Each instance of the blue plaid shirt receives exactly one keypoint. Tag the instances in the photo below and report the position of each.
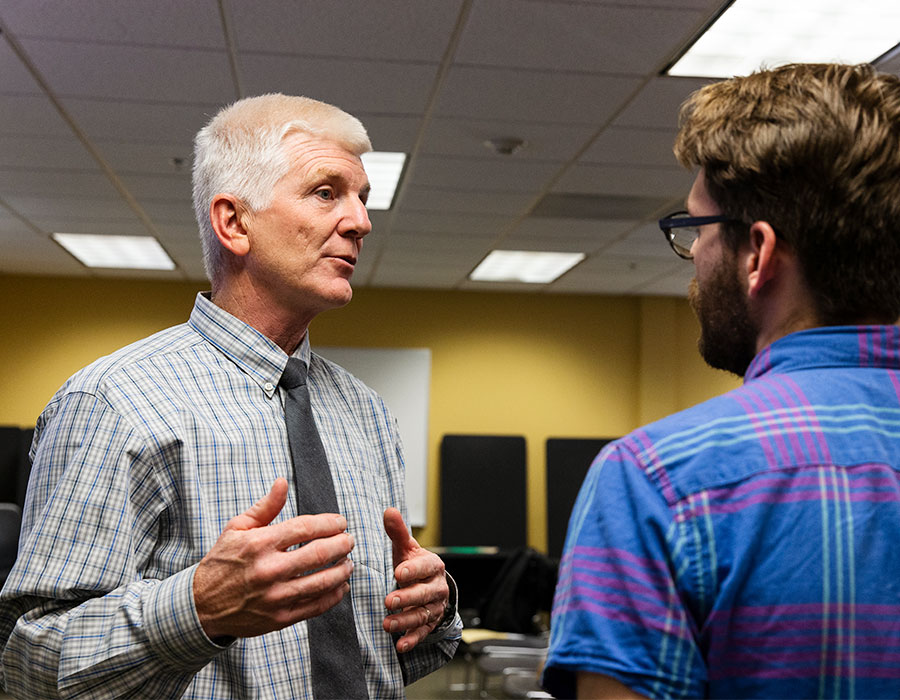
(140, 460)
(747, 547)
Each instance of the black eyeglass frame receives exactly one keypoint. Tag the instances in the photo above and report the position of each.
(681, 219)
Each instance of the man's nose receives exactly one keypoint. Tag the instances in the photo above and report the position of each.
(356, 221)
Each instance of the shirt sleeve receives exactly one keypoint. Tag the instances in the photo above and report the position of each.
(618, 608)
(439, 647)
(79, 612)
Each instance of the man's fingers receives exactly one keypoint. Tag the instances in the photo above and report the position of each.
(264, 510)
(422, 567)
(311, 587)
(307, 528)
(422, 593)
(427, 615)
(317, 554)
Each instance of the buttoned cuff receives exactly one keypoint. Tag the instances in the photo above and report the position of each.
(173, 626)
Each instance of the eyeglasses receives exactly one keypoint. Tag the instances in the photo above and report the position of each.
(681, 230)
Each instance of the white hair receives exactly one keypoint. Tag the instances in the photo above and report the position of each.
(240, 152)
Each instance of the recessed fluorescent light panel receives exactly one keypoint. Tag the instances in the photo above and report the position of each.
(384, 170)
(754, 34)
(524, 266)
(123, 252)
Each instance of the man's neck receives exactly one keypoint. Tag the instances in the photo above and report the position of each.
(256, 310)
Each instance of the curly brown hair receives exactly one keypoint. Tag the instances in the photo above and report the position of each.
(813, 149)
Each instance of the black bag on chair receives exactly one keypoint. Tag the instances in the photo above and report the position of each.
(522, 588)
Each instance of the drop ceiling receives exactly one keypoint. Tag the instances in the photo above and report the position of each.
(100, 99)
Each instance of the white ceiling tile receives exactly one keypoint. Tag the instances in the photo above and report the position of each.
(380, 29)
(537, 96)
(113, 273)
(393, 88)
(450, 222)
(93, 224)
(626, 180)
(45, 152)
(467, 137)
(28, 115)
(579, 235)
(442, 243)
(544, 35)
(179, 239)
(435, 276)
(34, 252)
(174, 187)
(468, 285)
(623, 146)
(129, 157)
(51, 184)
(657, 104)
(559, 243)
(141, 122)
(16, 78)
(70, 209)
(192, 269)
(474, 202)
(539, 227)
(674, 284)
(390, 133)
(606, 273)
(892, 65)
(497, 174)
(161, 22)
(170, 211)
(395, 256)
(646, 241)
(132, 72)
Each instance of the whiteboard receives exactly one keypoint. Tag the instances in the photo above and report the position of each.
(402, 376)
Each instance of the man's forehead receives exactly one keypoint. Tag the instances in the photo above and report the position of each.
(321, 155)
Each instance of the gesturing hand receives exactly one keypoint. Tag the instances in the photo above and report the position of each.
(249, 584)
(422, 595)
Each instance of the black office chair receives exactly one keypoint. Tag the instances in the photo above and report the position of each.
(10, 524)
(521, 591)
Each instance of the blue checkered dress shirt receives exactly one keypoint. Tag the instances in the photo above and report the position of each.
(140, 460)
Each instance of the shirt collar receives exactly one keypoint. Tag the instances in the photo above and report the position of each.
(255, 354)
(829, 346)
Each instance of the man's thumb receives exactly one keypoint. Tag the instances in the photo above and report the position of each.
(265, 509)
(396, 529)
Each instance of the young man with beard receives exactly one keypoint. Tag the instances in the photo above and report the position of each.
(745, 547)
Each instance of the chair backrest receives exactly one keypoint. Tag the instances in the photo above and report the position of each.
(10, 524)
(568, 461)
(522, 588)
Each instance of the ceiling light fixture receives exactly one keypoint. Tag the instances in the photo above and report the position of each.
(524, 266)
(753, 34)
(121, 252)
(384, 169)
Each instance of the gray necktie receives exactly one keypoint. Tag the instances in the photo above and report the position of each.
(336, 662)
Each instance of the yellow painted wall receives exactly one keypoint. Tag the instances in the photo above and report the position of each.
(538, 365)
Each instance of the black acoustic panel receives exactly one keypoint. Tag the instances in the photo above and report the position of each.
(10, 460)
(26, 436)
(483, 499)
(568, 461)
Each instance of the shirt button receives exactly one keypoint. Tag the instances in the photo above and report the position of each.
(269, 386)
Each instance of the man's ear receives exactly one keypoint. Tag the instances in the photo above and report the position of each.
(761, 262)
(227, 215)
